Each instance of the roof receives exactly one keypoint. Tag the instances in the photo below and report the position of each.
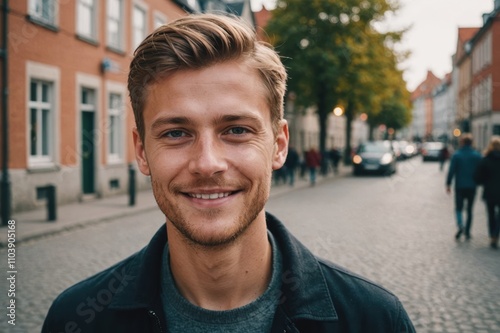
(426, 87)
(464, 35)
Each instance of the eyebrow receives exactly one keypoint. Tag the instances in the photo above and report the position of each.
(169, 121)
(158, 123)
(233, 118)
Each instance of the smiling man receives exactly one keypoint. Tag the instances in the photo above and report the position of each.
(208, 104)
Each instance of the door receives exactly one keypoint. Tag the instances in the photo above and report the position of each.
(88, 153)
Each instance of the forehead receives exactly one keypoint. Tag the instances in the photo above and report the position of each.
(228, 86)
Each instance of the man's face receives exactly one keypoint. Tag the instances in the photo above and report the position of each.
(210, 150)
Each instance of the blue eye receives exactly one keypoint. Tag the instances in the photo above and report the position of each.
(237, 130)
(174, 134)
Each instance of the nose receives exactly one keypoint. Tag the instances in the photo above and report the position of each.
(208, 157)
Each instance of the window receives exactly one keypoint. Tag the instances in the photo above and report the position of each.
(159, 20)
(44, 11)
(115, 114)
(115, 24)
(86, 19)
(139, 25)
(496, 129)
(87, 100)
(40, 121)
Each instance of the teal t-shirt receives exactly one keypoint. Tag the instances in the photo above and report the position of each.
(256, 317)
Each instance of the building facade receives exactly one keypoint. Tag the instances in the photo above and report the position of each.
(69, 116)
(423, 108)
(444, 113)
(485, 82)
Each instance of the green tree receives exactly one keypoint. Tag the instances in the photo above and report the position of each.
(333, 54)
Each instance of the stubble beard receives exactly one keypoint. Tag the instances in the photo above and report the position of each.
(191, 232)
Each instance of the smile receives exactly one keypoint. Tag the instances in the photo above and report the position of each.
(211, 196)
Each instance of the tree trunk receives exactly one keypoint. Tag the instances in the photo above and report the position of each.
(323, 112)
(349, 115)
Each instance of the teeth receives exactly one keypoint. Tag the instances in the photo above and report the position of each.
(210, 196)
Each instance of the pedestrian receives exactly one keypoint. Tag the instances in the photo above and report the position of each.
(291, 164)
(335, 158)
(313, 162)
(488, 175)
(207, 98)
(444, 155)
(462, 168)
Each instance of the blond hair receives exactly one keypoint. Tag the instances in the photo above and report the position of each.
(493, 145)
(199, 41)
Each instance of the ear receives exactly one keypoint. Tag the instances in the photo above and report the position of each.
(140, 153)
(281, 145)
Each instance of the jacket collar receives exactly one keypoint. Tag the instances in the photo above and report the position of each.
(305, 294)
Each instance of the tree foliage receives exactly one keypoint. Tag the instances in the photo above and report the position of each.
(334, 56)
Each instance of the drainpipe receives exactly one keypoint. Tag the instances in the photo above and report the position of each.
(5, 184)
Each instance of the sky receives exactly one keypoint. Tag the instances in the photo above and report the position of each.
(432, 38)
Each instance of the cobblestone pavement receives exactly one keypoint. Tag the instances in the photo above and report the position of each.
(397, 231)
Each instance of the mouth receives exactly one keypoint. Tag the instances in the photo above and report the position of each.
(210, 196)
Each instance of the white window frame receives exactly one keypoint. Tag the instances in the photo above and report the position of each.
(113, 16)
(43, 124)
(45, 11)
(139, 32)
(115, 154)
(93, 10)
(51, 75)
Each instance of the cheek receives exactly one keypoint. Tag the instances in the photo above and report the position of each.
(254, 157)
(164, 164)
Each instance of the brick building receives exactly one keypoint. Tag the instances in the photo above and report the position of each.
(68, 113)
(484, 57)
(474, 86)
(423, 108)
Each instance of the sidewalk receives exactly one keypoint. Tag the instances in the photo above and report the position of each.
(33, 224)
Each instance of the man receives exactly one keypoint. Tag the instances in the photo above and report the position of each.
(313, 162)
(291, 163)
(462, 167)
(208, 104)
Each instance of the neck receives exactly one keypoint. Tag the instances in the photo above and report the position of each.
(225, 277)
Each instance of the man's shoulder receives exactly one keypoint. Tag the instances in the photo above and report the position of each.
(343, 282)
(81, 302)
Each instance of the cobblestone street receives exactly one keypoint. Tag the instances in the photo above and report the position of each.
(397, 231)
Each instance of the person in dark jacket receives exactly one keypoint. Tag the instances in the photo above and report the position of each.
(462, 168)
(208, 104)
(291, 163)
(488, 175)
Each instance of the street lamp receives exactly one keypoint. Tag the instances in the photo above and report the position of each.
(338, 111)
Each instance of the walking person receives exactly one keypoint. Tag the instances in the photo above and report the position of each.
(444, 155)
(335, 156)
(462, 168)
(313, 162)
(208, 103)
(291, 164)
(488, 175)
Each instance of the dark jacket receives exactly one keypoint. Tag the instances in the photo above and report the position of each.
(463, 167)
(292, 158)
(317, 296)
(488, 175)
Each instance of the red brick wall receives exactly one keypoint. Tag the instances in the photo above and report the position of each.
(31, 42)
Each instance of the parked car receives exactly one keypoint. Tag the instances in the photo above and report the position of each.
(431, 150)
(408, 149)
(374, 157)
